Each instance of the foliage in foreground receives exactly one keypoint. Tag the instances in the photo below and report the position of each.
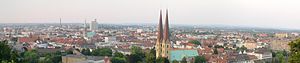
(294, 56)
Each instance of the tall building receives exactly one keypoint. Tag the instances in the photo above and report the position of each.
(60, 22)
(163, 44)
(85, 29)
(94, 25)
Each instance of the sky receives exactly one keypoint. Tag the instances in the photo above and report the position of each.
(257, 13)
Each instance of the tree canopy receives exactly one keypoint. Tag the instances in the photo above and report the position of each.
(31, 56)
(102, 52)
(183, 60)
(6, 53)
(137, 55)
(150, 56)
(86, 52)
(294, 56)
(162, 60)
(200, 59)
(195, 42)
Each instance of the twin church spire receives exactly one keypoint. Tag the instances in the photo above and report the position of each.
(163, 42)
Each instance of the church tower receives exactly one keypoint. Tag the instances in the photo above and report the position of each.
(159, 36)
(166, 40)
(163, 43)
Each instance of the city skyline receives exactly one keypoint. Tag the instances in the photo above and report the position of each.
(265, 13)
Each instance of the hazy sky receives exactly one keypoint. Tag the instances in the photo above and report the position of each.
(261, 13)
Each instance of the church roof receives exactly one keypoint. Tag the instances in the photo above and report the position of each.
(179, 54)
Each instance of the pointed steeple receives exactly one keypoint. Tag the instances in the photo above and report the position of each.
(160, 28)
(166, 29)
(158, 45)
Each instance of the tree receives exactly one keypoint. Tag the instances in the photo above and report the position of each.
(215, 51)
(175, 61)
(200, 59)
(137, 53)
(195, 42)
(31, 57)
(118, 58)
(218, 46)
(162, 60)
(134, 58)
(86, 51)
(4, 61)
(243, 48)
(150, 57)
(183, 60)
(136, 50)
(48, 58)
(153, 51)
(56, 58)
(118, 54)
(102, 52)
(280, 57)
(6, 52)
(294, 56)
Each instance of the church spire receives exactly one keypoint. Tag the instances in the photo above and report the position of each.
(160, 28)
(166, 29)
(159, 36)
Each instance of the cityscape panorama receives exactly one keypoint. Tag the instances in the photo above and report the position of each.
(149, 31)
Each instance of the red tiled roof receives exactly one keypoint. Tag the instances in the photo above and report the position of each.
(27, 39)
(68, 40)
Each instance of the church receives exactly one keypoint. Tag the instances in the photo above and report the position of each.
(163, 44)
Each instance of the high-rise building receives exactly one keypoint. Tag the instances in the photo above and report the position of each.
(94, 25)
(163, 44)
(85, 29)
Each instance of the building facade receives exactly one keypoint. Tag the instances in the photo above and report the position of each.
(94, 25)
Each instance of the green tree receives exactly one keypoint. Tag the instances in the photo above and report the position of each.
(86, 51)
(136, 50)
(118, 58)
(102, 52)
(195, 42)
(243, 48)
(162, 60)
(215, 51)
(294, 56)
(200, 59)
(51, 57)
(4, 61)
(6, 52)
(218, 46)
(137, 55)
(280, 57)
(183, 60)
(31, 57)
(150, 58)
(118, 54)
(134, 58)
(175, 61)
(56, 58)
(153, 51)
(46, 59)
